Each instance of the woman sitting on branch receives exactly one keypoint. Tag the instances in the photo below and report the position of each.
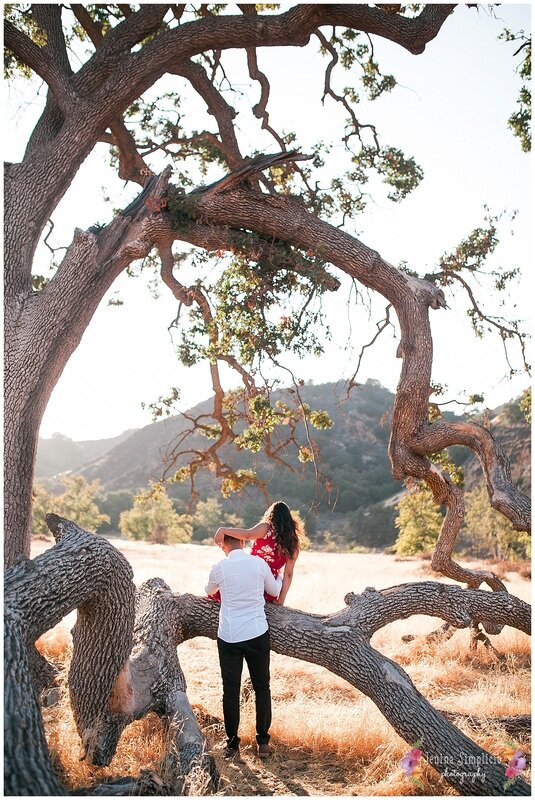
(275, 539)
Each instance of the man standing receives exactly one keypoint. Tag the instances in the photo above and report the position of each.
(243, 634)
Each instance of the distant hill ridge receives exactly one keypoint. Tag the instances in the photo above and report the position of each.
(353, 454)
(61, 454)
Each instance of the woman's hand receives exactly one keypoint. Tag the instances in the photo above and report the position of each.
(278, 602)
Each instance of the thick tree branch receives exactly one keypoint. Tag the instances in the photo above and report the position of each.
(372, 609)
(338, 643)
(59, 315)
(153, 680)
(131, 164)
(48, 17)
(504, 497)
(118, 43)
(42, 64)
(217, 106)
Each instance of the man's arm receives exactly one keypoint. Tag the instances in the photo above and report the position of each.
(213, 581)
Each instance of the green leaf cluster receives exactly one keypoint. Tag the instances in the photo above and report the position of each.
(77, 502)
(418, 521)
(165, 405)
(400, 172)
(486, 533)
(154, 519)
(525, 404)
(260, 309)
(520, 120)
(237, 481)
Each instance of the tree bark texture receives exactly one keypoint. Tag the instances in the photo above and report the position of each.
(86, 572)
(42, 330)
(153, 680)
(108, 689)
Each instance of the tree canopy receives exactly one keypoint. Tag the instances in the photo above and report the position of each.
(266, 237)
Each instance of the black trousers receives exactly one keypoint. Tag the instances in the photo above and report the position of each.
(256, 654)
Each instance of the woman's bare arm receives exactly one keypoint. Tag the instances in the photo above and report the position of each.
(286, 580)
(256, 532)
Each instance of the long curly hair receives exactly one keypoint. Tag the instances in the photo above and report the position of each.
(289, 529)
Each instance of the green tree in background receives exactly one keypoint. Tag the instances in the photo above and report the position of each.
(209, 515)
(518, 411)
(77, 503)
(113, 504)
(488, 534)
(154, 519)
(418, 522)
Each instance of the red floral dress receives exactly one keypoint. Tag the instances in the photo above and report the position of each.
(268, 549)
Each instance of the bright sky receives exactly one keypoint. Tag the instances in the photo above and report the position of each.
(450, 112)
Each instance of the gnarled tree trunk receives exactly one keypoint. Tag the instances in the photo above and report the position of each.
(86, 572)
(42, 330)
(107, 690)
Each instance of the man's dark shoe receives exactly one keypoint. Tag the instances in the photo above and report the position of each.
(231, 752)
(264, 750)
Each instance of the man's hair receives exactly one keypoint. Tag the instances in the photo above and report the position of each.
(231, 539)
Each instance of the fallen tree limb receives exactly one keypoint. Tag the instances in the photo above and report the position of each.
(87, 572)
(153, 680)
(340, 643)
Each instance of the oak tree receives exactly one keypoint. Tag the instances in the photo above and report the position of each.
(284, 232)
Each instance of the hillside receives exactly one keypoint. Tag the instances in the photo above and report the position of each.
(61, 454)
(351, 498)
(353, 453)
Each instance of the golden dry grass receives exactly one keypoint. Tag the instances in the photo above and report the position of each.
(329, 739)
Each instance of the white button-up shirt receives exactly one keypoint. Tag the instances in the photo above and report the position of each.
(242, 580)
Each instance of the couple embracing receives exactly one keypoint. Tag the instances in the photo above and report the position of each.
(242, 583)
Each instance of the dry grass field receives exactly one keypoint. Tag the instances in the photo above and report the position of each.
(328, 738)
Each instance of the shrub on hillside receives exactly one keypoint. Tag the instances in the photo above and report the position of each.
(418, 521)
(77, 502)
(154, 519)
